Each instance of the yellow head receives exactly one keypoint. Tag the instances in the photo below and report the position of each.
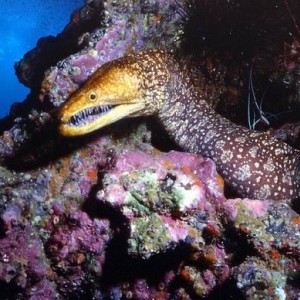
(135, 85)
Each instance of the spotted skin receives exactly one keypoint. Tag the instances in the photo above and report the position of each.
(254, 164)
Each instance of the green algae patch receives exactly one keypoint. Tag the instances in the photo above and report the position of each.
(247, 221)
(149, 235)
(146, 194)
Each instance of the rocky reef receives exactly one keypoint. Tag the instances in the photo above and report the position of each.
(119, 214)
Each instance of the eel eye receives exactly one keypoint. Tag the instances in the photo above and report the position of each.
(92, 96)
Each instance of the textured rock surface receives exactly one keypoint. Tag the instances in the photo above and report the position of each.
(131, 26)
(166, 198)
(108, 216)
(107, 221)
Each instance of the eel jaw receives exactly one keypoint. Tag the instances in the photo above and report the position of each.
(89, 119)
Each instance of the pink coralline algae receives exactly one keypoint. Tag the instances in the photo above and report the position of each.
(177, 199)
(103, 45)
(169, 200)
(23, 266)
(77, 247)
(147, 225)
(162, 196)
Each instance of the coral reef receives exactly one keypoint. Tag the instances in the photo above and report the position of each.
(109, 216)
(150, 190)
(141, 224)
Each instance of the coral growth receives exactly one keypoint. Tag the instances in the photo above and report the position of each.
(149, 221)
(165, 198)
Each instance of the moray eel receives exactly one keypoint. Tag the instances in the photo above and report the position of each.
(153, 82)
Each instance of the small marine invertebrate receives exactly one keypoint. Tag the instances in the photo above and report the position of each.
(254, 108)
(255, 112)
(153, 83)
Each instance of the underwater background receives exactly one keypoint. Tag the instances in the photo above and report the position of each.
(22, 23)
(127, 212)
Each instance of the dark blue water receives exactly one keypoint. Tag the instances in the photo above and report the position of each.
(22, 23)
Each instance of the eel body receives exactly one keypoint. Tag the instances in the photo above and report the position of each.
(253, 163)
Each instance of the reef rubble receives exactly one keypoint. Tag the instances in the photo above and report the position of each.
(113, 216)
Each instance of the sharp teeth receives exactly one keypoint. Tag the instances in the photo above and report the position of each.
(89, 114)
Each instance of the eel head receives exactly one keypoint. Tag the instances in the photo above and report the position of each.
(134, 85)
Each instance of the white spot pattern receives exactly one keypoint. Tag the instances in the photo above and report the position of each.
(253, 163)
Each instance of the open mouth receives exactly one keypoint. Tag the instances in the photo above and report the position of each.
(89, 119)
(89, 115)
